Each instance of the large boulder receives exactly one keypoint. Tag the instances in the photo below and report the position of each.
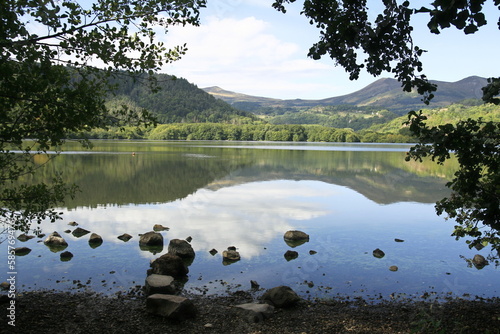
(55, 242)
(181, 248)
(281, 297)
(169, 264)
(151, 239)
(255, 312)
(160, 284)
(171, 306)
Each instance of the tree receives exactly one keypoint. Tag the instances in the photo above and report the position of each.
(50, 87)
(385, 45)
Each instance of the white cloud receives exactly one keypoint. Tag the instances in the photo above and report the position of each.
(244, 55)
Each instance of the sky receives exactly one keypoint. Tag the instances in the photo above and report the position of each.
(246, 46)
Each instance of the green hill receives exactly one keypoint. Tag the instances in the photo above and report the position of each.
(176, 101)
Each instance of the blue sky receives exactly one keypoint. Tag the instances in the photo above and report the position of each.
(247, 46)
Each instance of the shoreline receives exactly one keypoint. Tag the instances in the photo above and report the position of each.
(85, 312)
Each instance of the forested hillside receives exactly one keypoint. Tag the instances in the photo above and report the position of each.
(176, 101)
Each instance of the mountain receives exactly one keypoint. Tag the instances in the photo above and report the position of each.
(177, 100)
(384, 93)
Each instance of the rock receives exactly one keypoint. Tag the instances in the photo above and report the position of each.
(230, 256)
(67, 231)
(393, 268)
(312, 252)
(291, 255)
(159, 227)
(5, 286)
(125, 237)
(399, 240)
(378, 253)
(151, 239)
(21, 251)
(95, 240)
(55, 242)
(189, 239)
(66, 256)
(295, 238)
(170, 306)
(255, 312)
(181, 248)
(231, 248)
(213, 251)
(41, 235)
(23, 237)
(254, 285)
(281, 297)
(169, 264)
(479, 261)
(163, 284)
(73, 224)
(296, 235)
(79, 232)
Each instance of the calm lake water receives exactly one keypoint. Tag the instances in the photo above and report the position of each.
(350, 199)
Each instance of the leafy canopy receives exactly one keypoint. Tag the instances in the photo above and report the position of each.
(50, 87)
(385, 44)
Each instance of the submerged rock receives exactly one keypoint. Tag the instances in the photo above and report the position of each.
(393, 268)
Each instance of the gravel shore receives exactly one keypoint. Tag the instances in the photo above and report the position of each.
(65, 312)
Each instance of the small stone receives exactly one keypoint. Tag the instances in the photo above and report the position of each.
(399, 240)
(23, 237)
(159, 227)
(80, 232)
(312, 252)
(254, 285)
(378, 253)
(66, 256)
(73, 224)
(125, 237)
(21, 251)
(255, 312)
(171, 306)
(393, 268)
(189, 239)
(213, 251)
(291, 255)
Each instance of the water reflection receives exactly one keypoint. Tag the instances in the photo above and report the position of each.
(350, 203)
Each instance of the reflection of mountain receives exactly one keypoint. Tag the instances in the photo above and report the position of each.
(174, 173)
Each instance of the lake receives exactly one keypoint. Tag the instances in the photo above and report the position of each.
(350, 198)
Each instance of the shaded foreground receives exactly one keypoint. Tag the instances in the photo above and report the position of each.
(64, 312)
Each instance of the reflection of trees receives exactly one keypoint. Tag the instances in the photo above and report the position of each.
(166, 173)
